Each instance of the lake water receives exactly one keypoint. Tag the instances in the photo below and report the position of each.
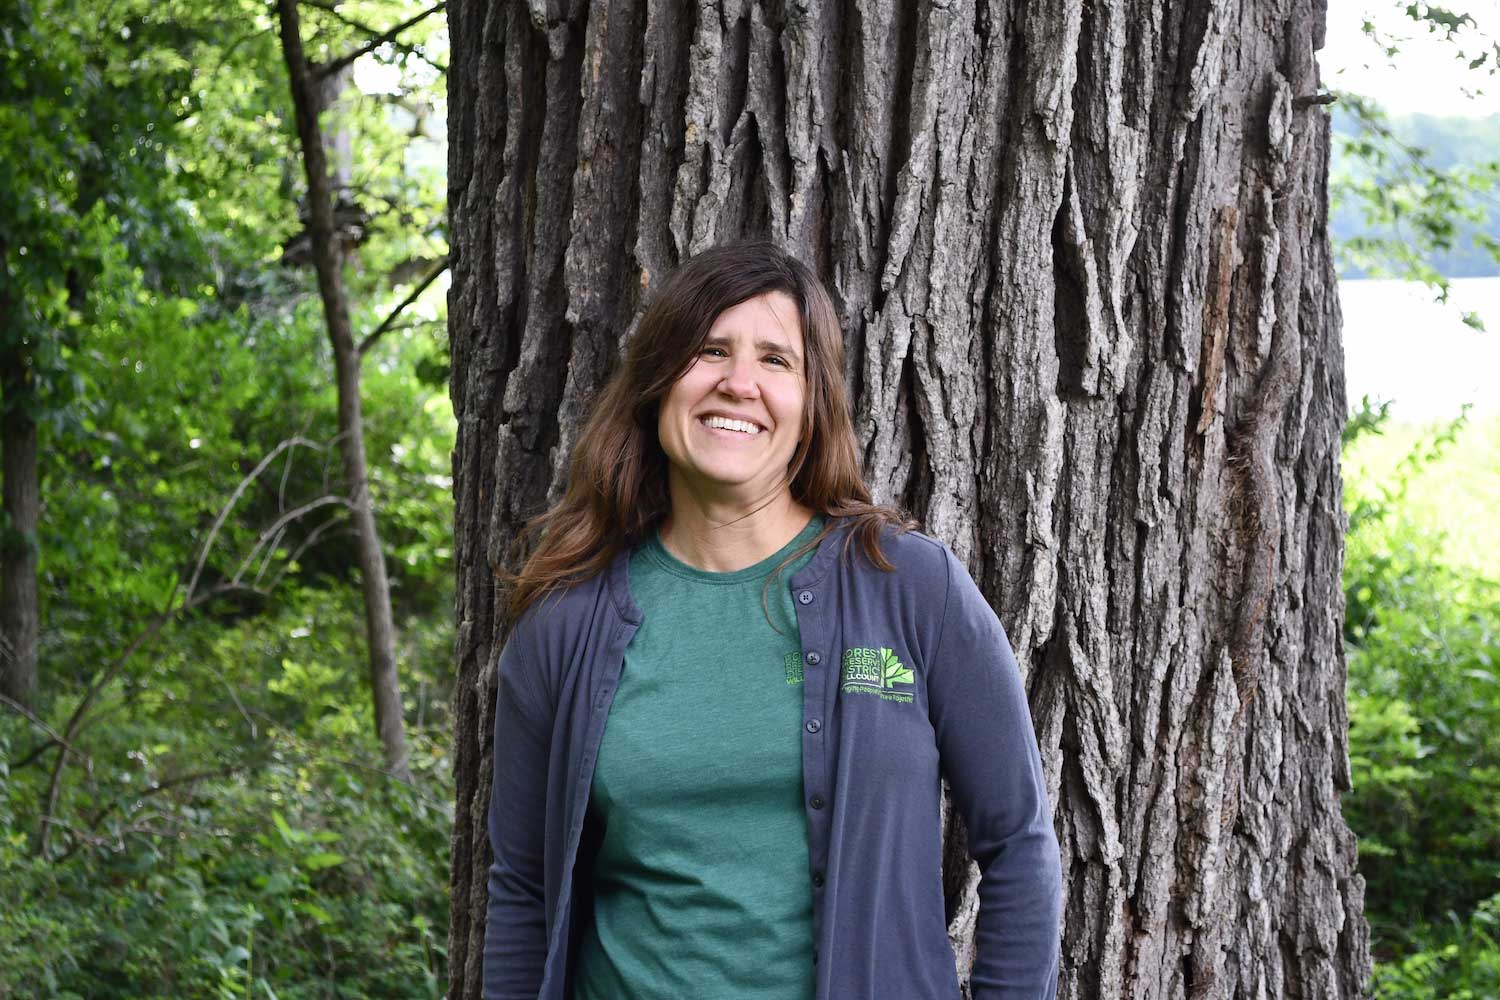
(1401, 345)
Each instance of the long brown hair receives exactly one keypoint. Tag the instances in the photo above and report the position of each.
(617, 479)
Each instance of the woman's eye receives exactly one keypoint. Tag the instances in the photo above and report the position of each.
(713, 350)
(778, 359)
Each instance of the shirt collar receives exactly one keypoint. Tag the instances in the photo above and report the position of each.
(618, 574)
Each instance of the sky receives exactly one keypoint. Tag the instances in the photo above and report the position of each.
(1428, 76)
(1402, 346)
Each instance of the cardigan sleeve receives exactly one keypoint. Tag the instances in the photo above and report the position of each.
(988, 751)
(515, 935)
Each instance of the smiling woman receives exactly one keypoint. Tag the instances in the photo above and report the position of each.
(731, 423)
(703, 669)
(744, 332)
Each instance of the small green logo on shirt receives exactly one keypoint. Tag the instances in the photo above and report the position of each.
(876, 671)
(793, 663)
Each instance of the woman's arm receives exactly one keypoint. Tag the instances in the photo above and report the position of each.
(988, 752)
(515, 935)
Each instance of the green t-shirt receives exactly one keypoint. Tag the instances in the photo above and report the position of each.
(701, 881)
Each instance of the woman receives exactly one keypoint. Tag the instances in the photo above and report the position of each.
(730, 688)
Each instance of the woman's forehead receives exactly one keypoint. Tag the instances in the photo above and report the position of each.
(770, 316)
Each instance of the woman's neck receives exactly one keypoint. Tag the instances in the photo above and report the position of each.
(722, 537)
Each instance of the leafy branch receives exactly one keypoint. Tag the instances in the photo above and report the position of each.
(184, 598)
(1415, 207)
(331, 7)
(327, 70)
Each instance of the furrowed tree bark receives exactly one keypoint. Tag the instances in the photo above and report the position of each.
(380, 628)
(20, 619)
(1080, 254)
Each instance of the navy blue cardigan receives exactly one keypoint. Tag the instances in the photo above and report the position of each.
(906, 674)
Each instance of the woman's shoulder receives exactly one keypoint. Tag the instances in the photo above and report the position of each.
(926, 574)
(559, 610)
(917, 558)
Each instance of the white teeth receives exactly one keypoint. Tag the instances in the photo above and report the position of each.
(724, 423)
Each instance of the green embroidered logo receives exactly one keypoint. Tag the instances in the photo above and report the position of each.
(876, 671)
(793, 663)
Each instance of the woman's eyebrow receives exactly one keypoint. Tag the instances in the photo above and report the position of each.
(762, 344)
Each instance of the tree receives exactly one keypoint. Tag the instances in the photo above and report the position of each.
(19, 618)
(42, 214)
(310, 97)
(1080, 253)
(83, 105)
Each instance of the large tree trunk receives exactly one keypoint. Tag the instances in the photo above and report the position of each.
(380, 628)
(1080, 254)
(20, 621)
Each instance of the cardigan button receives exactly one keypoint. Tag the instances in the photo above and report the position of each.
(813, 658)
(806, 597)
(813, 725)
(816, 802)
(817, 880)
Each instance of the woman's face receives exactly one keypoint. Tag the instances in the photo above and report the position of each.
(733, 420)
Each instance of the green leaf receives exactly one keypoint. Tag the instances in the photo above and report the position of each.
(893, 671)
(315, 911)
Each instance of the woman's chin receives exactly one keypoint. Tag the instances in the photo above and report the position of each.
(729, 482)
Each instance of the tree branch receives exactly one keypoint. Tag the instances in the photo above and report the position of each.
(328, 69)
(385, 324)
(281, 522)
(239, 491)
(55, 738)
(191, 598)
(54, 788)
(291, 560)
(330, 7)
(87, 838)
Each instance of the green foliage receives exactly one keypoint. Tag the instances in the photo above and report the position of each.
(1458, 960)
(232, 832)
(1423, 642)
(302, 878)
(1412, 196)
(223, 827)
(94, 102)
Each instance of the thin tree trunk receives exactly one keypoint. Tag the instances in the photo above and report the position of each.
(20, 620)
(1080, 254)
(380, 628)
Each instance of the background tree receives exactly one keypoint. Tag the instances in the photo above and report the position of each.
(19, 617)
(313, 88)
(83, 126)
(1080, 253)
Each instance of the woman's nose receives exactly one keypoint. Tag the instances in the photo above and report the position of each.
(740, 381)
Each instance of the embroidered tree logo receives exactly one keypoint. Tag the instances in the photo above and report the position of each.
(877, 672)
(892, 670)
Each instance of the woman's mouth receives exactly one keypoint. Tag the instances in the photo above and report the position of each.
(742, 428)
